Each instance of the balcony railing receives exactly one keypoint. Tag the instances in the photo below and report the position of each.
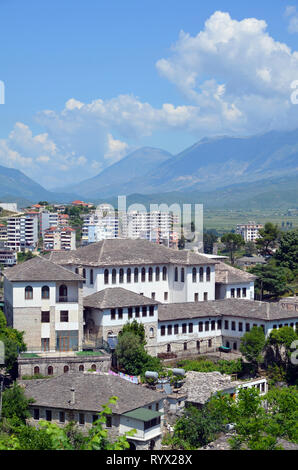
(65, 299)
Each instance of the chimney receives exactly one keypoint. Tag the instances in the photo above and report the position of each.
(73, 396)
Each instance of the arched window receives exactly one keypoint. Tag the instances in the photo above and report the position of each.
(143, 275)
(50, 370)
(93, 367)
(157, 272)
(45, 292)
(182, 274)
(121, 276)
(106, 276)
(168, 348)
(164, 273)
(81, 368)
(28, 293)
(150, 274)
(36, 370)
(84, 275)
(151, 333)
(136, 275)
(114, 274)
(65, 369)
(201, 275)
(176, 274)
(62, 293)
(77, 270)
(208, 274)
(194, 275)
(128, 275)
(91, 276)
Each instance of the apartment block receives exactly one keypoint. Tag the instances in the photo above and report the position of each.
(22, 232)
(249, 231)
(59, 238)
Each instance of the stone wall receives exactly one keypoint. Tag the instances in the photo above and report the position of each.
(178, 347)
(26, 365)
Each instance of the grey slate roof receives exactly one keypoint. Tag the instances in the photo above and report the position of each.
(91, 391)
(226, 307)
(40, 269)
(226, 274)
(114, 297)
(115, 252)
(199, 386)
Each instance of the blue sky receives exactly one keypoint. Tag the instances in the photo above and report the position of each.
(88, 81)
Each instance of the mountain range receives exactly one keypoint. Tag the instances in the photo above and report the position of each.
(221, 171)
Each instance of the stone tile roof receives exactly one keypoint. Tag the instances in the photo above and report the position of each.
(226, 274)
(91, 391)
(114, 297)
(200, 386)
(226, 307)
(40, 269)
(119, 252)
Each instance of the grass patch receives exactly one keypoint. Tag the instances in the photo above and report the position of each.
(223, 366)
(36, 376)
(29, 355)
(89, 353)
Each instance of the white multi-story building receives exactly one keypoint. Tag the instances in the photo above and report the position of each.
(187, 302)
(250, 231)
(48, 220)
(45, 301)
(59, 238)
(99, 226)
(22, 232)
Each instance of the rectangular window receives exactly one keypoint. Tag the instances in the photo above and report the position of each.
(162, 330)
(113, 314)
(190, 328)
(226, 324)
(120, 313)
(240, 326)
(206, 325)
(129, 312)
(137, 310)
(184, 326)
(156, 406)
(200, 326)
(64, 316)
(185, 346)
(61, 417)
(36, 413)
(45, 317)
(169, 329)
(196, 297)
(247, 327)
(48, 415)
(205, 296)
(151, 311)
(244, 292)
(209, 343)
(176, 329)
(153, 295)
(144, 311)
(81, 418)
(233, 326)
(94, 418)
(45, 344)
(213, 325)
(219, 324)
(108, 421)
(165, 296)
(238, 293)
(232, 293)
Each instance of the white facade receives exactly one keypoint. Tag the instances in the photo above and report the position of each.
(250, 231)
(22, 233)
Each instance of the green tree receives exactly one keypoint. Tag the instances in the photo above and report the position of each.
(250, 249)
(281, 340)
(268, 238)
(233, 242)
(136, 328)
(13, 342)
(130, 353)
(272, 279)
(15, 404)
(287, 253)
(196, 427)
(252, 345)
(209, 238)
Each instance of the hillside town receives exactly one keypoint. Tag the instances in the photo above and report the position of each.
(77, 311)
